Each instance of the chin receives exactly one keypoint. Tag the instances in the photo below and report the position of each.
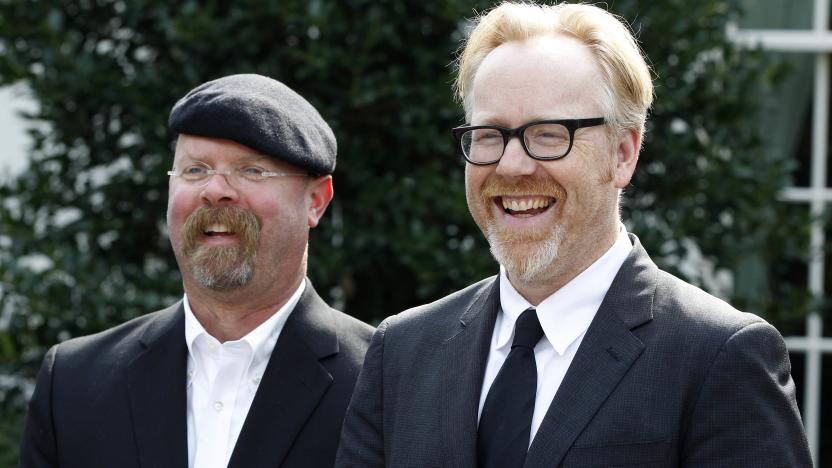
(222, 268)
(525, 260)
(223, 281)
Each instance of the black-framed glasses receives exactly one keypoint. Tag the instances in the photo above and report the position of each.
(544, 140)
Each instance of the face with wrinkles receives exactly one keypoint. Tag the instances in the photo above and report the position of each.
(543, 218)
(229, 231)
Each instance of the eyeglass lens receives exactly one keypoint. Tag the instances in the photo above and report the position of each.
(544, 140)
(201, 173)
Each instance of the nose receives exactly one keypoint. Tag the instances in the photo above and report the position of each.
(515, 161)
(218, 191)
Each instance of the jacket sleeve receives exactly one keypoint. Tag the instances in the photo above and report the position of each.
(746, 414)
(362, 436)
(38, 446)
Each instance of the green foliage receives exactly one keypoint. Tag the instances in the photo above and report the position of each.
(82, 237)
(705, 173)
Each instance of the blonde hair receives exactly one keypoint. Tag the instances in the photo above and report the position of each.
(627, 90)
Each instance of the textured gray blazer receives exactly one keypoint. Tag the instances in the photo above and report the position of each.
(118, 398)
(665, 376)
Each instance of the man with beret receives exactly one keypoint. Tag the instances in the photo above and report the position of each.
(251, 368)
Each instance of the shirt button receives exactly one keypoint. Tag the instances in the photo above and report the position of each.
(190, 374)
(255, 380)
(218, 406)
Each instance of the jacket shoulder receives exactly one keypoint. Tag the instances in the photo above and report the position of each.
(118, 342)
(674, 294)
(353, 334)
(425, 324)
(686, 312)
(447, 308)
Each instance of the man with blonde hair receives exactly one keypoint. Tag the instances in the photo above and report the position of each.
(581, 352)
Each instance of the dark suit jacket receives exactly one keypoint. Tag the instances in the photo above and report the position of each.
(665, 376)
(118, 398)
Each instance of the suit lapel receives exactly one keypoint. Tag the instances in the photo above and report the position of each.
(292, 385)
(606, 353)
(463, 355)
(156, 388)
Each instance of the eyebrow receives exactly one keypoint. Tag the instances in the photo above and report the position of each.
(251, 158)
(242, 159)
(499, 122)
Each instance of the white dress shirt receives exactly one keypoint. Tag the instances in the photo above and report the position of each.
(564, 316)
(222, 381)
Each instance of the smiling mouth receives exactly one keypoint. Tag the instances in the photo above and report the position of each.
(524, 206)
(216, 230)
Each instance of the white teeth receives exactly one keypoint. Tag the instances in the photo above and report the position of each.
(217, 228)
(524, 205)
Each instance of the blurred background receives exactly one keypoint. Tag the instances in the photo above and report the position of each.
(731, 192)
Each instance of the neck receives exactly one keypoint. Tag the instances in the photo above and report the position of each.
(574, 256)
(231, 315)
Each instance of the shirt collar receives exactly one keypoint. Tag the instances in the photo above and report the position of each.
(566, 314)
(261, 340)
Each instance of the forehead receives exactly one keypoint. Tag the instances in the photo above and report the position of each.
(543, 78)
(214, 151)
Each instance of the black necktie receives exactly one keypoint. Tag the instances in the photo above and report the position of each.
(506, 419)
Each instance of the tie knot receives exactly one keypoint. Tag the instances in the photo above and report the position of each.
(527, 329)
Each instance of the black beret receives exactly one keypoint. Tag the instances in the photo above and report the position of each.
(261, 113)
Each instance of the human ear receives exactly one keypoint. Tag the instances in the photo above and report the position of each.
(626, 157)
(319, 193)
